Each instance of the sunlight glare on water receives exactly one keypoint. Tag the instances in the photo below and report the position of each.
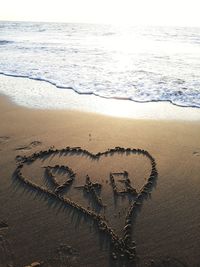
(142, 64)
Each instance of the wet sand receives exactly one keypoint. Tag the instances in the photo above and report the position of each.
(68, 226)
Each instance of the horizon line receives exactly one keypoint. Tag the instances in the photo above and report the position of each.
(103, 23)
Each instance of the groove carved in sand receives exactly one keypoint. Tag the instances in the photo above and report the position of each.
(122, 248)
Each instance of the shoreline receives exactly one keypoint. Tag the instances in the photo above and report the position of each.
(31, 93)
(96, 95)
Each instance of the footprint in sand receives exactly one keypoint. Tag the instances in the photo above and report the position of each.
(196, 153)
(29, 146)
(64, 255)
(6, 254)
(4, 139)
(3, 225)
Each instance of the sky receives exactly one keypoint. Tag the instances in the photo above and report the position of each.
(128, 12)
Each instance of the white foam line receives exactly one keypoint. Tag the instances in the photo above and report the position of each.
(42, 95)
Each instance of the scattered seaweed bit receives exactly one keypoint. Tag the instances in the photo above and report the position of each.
(122, 249)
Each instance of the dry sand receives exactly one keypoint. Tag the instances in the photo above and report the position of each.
(34, 227)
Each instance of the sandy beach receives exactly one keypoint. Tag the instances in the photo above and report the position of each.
(154, 164)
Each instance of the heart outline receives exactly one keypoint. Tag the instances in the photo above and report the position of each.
(122, 248)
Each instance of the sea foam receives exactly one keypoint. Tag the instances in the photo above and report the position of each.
(42, 95)
(142, 64)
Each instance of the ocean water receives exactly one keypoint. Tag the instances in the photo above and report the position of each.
(141, 64)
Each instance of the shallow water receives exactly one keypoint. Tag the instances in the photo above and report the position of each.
(137, 63)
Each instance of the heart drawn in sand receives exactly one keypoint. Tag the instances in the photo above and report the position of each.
(122, 248)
